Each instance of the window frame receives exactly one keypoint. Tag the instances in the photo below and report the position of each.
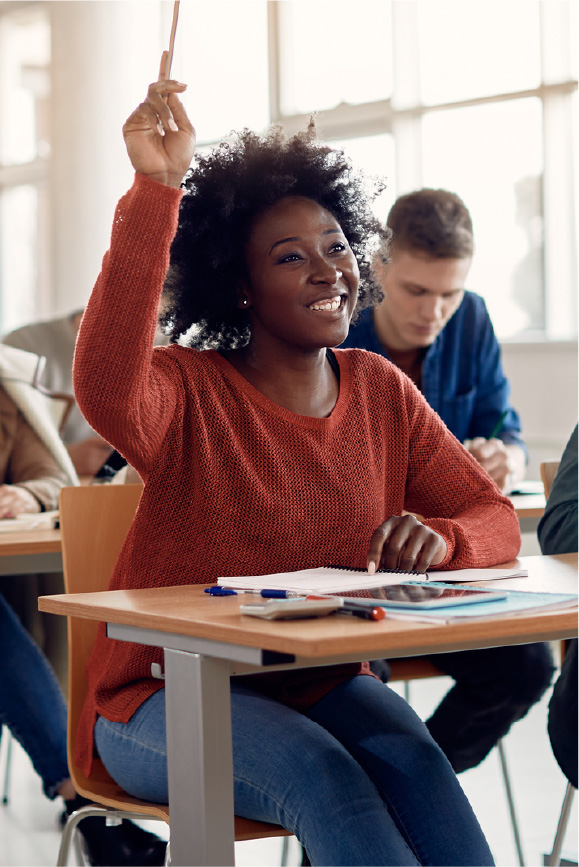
(401, 116)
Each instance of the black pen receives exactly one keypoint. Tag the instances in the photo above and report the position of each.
(365, 611)
(353, 606)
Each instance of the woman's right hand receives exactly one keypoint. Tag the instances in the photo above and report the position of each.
(159, 136)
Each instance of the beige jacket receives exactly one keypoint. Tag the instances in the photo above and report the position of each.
(32, 454)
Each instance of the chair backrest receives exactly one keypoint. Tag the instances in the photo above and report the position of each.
(548, 473)
(94, 521)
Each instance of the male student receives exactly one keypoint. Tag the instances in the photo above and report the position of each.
(441, 336)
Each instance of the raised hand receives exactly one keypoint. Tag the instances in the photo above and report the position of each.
(402, 542)
(159, 137)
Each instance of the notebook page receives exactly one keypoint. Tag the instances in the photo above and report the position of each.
(330, 579)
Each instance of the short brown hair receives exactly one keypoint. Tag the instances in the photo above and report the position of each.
(434, 222)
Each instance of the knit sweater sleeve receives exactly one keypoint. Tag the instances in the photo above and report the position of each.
(120, 386)
(480, 525)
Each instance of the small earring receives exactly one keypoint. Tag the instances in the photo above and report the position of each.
(244, 302)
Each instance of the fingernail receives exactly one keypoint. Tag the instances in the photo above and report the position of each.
(371, 567)
(172, 125)
(160, 129)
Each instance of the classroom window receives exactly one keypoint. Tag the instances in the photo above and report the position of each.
(463, 48)
(19, 255)
(492, 155)
(333, 53)
(24, 154)
(477, 97)
(227, 74)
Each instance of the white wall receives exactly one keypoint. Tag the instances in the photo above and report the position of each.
(543, 379)
(104, 55)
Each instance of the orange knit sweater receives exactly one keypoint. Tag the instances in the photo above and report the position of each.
(234, 483)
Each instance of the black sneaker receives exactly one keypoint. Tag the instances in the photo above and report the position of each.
(124, 845)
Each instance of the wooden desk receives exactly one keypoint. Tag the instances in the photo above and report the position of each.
(206, 640)
(27, 552)
(529, 509)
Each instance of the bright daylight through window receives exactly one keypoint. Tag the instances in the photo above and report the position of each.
(478, 98)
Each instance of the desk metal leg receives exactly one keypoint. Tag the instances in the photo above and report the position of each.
(200, 759)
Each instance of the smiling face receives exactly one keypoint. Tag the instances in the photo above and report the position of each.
(420, 295)
(303, 276)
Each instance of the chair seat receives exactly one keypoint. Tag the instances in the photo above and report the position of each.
(415, 668)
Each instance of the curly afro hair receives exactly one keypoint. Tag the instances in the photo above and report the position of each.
(224, 193)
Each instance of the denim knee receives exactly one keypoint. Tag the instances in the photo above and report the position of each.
(135, 753)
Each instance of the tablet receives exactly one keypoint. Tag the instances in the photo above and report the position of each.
(424, 595)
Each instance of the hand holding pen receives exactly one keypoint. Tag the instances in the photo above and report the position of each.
(492, 454)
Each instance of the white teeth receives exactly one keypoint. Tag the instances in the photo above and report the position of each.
(329, 304)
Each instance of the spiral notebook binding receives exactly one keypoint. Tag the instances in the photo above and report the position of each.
(378, 571)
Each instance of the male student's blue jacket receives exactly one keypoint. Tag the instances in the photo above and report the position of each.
(462, 373)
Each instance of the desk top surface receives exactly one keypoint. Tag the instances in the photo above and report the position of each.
(189, 611)
(35, 541)
(528, 505)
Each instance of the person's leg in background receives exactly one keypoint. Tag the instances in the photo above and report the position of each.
(32, 706)
(562, 715)
(493, 689)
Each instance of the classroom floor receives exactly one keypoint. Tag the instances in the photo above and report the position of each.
(29, 833)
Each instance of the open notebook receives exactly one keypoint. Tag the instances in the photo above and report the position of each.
(32, 521)
(333, 579)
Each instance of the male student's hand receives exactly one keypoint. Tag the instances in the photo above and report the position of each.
(505, 463)
(402, 542)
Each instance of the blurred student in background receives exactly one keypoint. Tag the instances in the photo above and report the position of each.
(55, 340)
(34, 466)
(442, 337)
(557, 533)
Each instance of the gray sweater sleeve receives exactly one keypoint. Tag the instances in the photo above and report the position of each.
(558, 527)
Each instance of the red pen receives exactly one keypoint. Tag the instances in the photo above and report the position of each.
(357, 609)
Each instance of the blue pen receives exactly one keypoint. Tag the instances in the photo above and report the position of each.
(220, 591)
(265, 594)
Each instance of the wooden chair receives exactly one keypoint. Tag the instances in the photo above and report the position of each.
(94, 521)
(548, 473)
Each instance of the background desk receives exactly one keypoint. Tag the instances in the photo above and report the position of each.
(529, 509)
(27, 552)
(206, 640)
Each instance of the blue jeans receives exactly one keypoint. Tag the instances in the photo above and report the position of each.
(31, 701)
(358, 779)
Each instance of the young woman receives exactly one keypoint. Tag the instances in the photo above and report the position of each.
(263, 450)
